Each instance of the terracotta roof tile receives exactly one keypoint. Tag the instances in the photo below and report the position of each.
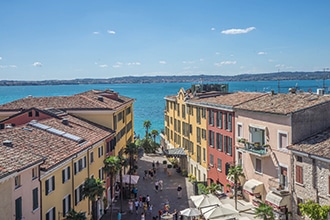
(55, 148)
(318, 145)
(86, 100)
(230, 99)
(283, 103)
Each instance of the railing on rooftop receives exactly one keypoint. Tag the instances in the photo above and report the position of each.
(255, 148)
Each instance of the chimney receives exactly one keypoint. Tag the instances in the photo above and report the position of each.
(65, 121)
(100, 98)
(7, 143)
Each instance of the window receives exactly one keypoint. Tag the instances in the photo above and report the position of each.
(34, 173)
(299, 174)
(51, 214)
(239, 130)
(198, 115)
(240, 159)
(100, 151)
(50, 185)
(219, 119)
(198, 132)
(37, 114)
(299, 200)
(219, 139)
(183, 111)
(299, 159)
(178, 110)
(17, 181)
(282, 140)
(211, 160)
(91, 156)
(101, 177)
(229, 145)
(204, 134)
(211, 138)
(199, 154)
(79, 165)
(78, 195)
(230, 122)
(35, 197)
(66, 204)
(30, 113)
(128, 111)
(258, 166)
(203, 113)
(211, 117)
(219, 164)
(65, 174)
(204, 154)
(18, 208)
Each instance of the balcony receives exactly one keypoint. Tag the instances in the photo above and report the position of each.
(276, 186)
(257, 149)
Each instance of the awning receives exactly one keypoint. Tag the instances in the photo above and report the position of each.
(253, 186)
(277, 201)
(133, 179)
(175, 152)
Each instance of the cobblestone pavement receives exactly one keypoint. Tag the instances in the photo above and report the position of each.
(157, 199)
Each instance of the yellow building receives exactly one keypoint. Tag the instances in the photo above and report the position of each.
(185, 127)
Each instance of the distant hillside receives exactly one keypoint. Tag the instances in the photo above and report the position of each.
(193, 78)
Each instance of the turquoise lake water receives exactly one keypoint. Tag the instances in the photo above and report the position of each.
(150, 103)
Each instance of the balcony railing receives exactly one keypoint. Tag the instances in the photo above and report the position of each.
(256, 148)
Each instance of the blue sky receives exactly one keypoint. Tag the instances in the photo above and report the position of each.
(102, 39)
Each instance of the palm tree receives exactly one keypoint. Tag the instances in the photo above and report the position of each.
(234, 173)
(131, 150)
(112, 166)
(147, 125)
(264, 211)
(92, 189)
(73, 215)
(154, 134)
(213, 188)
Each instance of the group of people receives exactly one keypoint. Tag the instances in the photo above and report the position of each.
(143, 203)
(159, 185)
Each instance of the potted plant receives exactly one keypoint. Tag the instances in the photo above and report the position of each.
(165, 165)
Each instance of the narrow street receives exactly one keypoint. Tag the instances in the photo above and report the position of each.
(157, 199)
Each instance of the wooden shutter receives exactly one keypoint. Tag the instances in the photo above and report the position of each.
(299, 177)
(53, 183)
(69, 172)
(63, 175)
(47, 186)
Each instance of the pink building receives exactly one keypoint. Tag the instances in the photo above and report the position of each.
(19, 183)
(265, 127)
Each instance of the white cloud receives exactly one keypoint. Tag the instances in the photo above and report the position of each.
(133, 64)
(0, 58)
(225, 63)
(12, 66)
(96, 32)
(217, 53)
(37, 64)
(262, 53)
(213, 29)
(162, 62)
(111, 32)
(201, 59)
(271, 61)
(188, 62)
(116, 66)
(103, 65)
(238, 31)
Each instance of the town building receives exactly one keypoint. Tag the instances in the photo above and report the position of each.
(265, 127)
(311, 171)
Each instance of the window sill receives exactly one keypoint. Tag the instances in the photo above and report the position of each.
(219, 170)
(300, 184)
(35, 210)
(17, 187)
(257, 172)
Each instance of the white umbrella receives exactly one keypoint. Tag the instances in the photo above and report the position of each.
(205, 200)
(190, 212)
(218, 211)
(126, 179)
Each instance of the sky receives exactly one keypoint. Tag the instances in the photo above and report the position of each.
(49, 40)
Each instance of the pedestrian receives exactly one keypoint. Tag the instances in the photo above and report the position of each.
(179, 189)
(156, 185)
(153, 164)
(136, 203)
(143, 217)
(175, 214)
(145, 174)
(135, 191)
(130, 206)
(157, 164)
(145, 207)
(160, 183)
(160, 213)
(119, 216)
(150, 209)
(151, 174)
(148, 200)
(140, 201)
